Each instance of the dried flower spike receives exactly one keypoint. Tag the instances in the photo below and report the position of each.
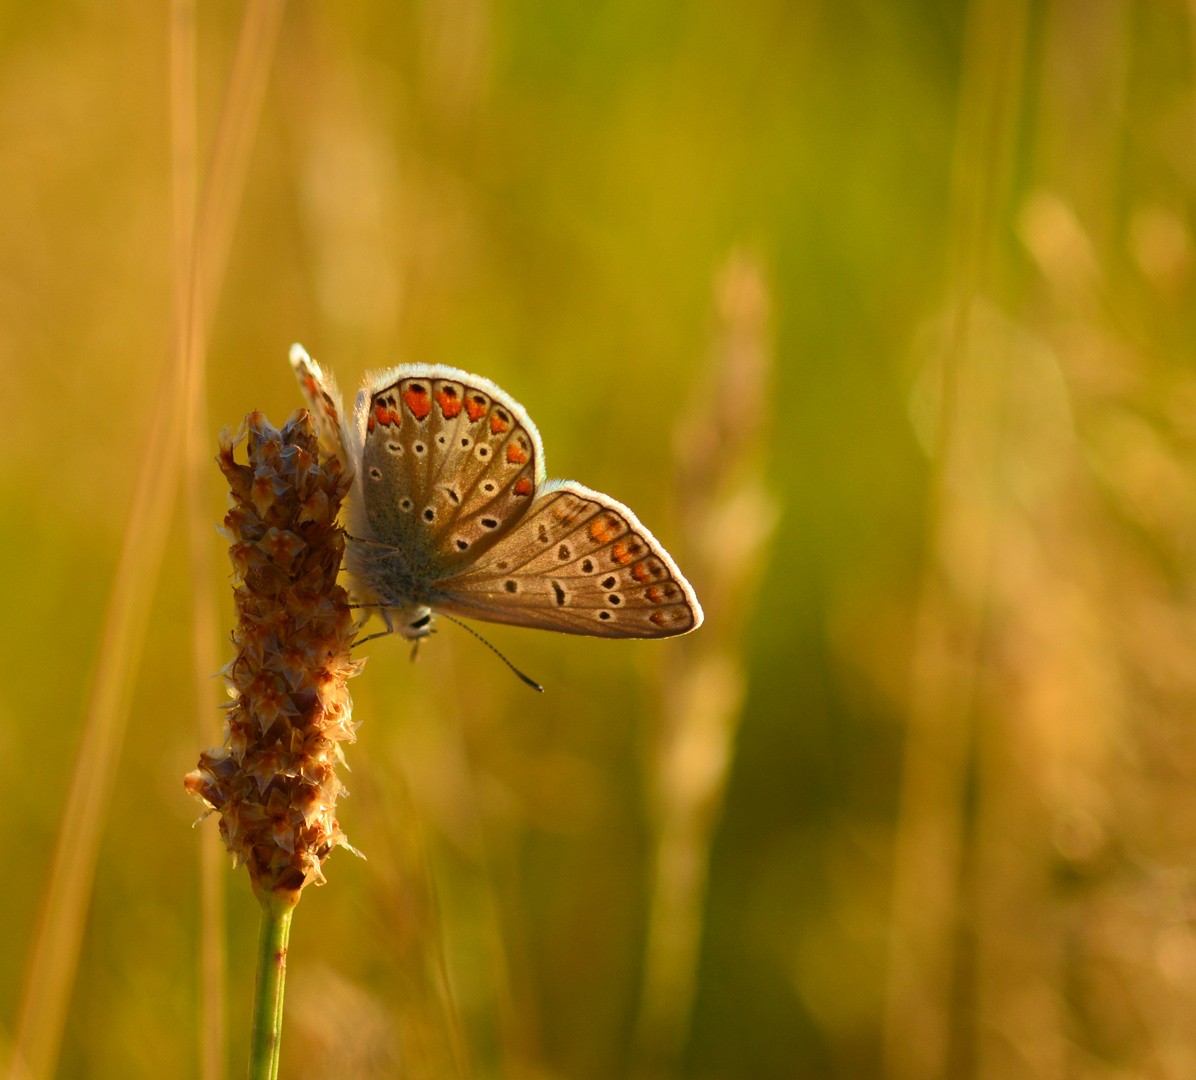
(274, 781)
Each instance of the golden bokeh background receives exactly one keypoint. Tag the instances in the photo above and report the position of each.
(879, 314)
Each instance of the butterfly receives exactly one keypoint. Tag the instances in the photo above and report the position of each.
(450, 512)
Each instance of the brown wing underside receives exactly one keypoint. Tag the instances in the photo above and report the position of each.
(581, 563)
(447, 470)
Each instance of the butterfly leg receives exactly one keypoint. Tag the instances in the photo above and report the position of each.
(363, 615)
(371, 637)
(372, 543)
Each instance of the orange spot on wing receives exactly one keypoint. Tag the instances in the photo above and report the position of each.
(417, 401)
(515, 454)
(498, 425)
(370, 425)
(476, 409)
(382, 414)
(392, 417)
(641, 572)
(654, 594)
(658, 618)
(620, 554)
(450, 404)
(603, 529)
(523, 486)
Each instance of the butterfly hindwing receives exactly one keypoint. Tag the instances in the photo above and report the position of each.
(577, 562)
(449, 465)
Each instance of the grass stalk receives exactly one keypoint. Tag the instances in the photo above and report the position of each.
(55, 950)
(921, 1037)
(189, 348)
(728, 514)
(57, 939)
(274, 781)
(273, 938)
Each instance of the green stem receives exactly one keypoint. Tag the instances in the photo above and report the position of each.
(264, 1040)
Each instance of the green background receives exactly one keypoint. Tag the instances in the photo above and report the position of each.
(548, 194)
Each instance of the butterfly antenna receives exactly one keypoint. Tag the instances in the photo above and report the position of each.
(530, 682)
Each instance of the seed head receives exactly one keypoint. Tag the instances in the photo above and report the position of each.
(274, 780)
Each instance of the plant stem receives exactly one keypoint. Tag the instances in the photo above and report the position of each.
(264, 1040)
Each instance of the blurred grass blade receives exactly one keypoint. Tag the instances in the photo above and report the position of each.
(230, 154)
(920, 1038)
(60, 931)
(728, 516)
(210, 999)
(55, 951)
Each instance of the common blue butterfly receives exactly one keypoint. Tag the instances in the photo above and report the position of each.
(450, 512)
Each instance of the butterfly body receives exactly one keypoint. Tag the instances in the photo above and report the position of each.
(450, 511)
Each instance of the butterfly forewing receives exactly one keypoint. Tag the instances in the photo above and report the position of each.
(578, 562)
(323, 400)
(448, 468)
